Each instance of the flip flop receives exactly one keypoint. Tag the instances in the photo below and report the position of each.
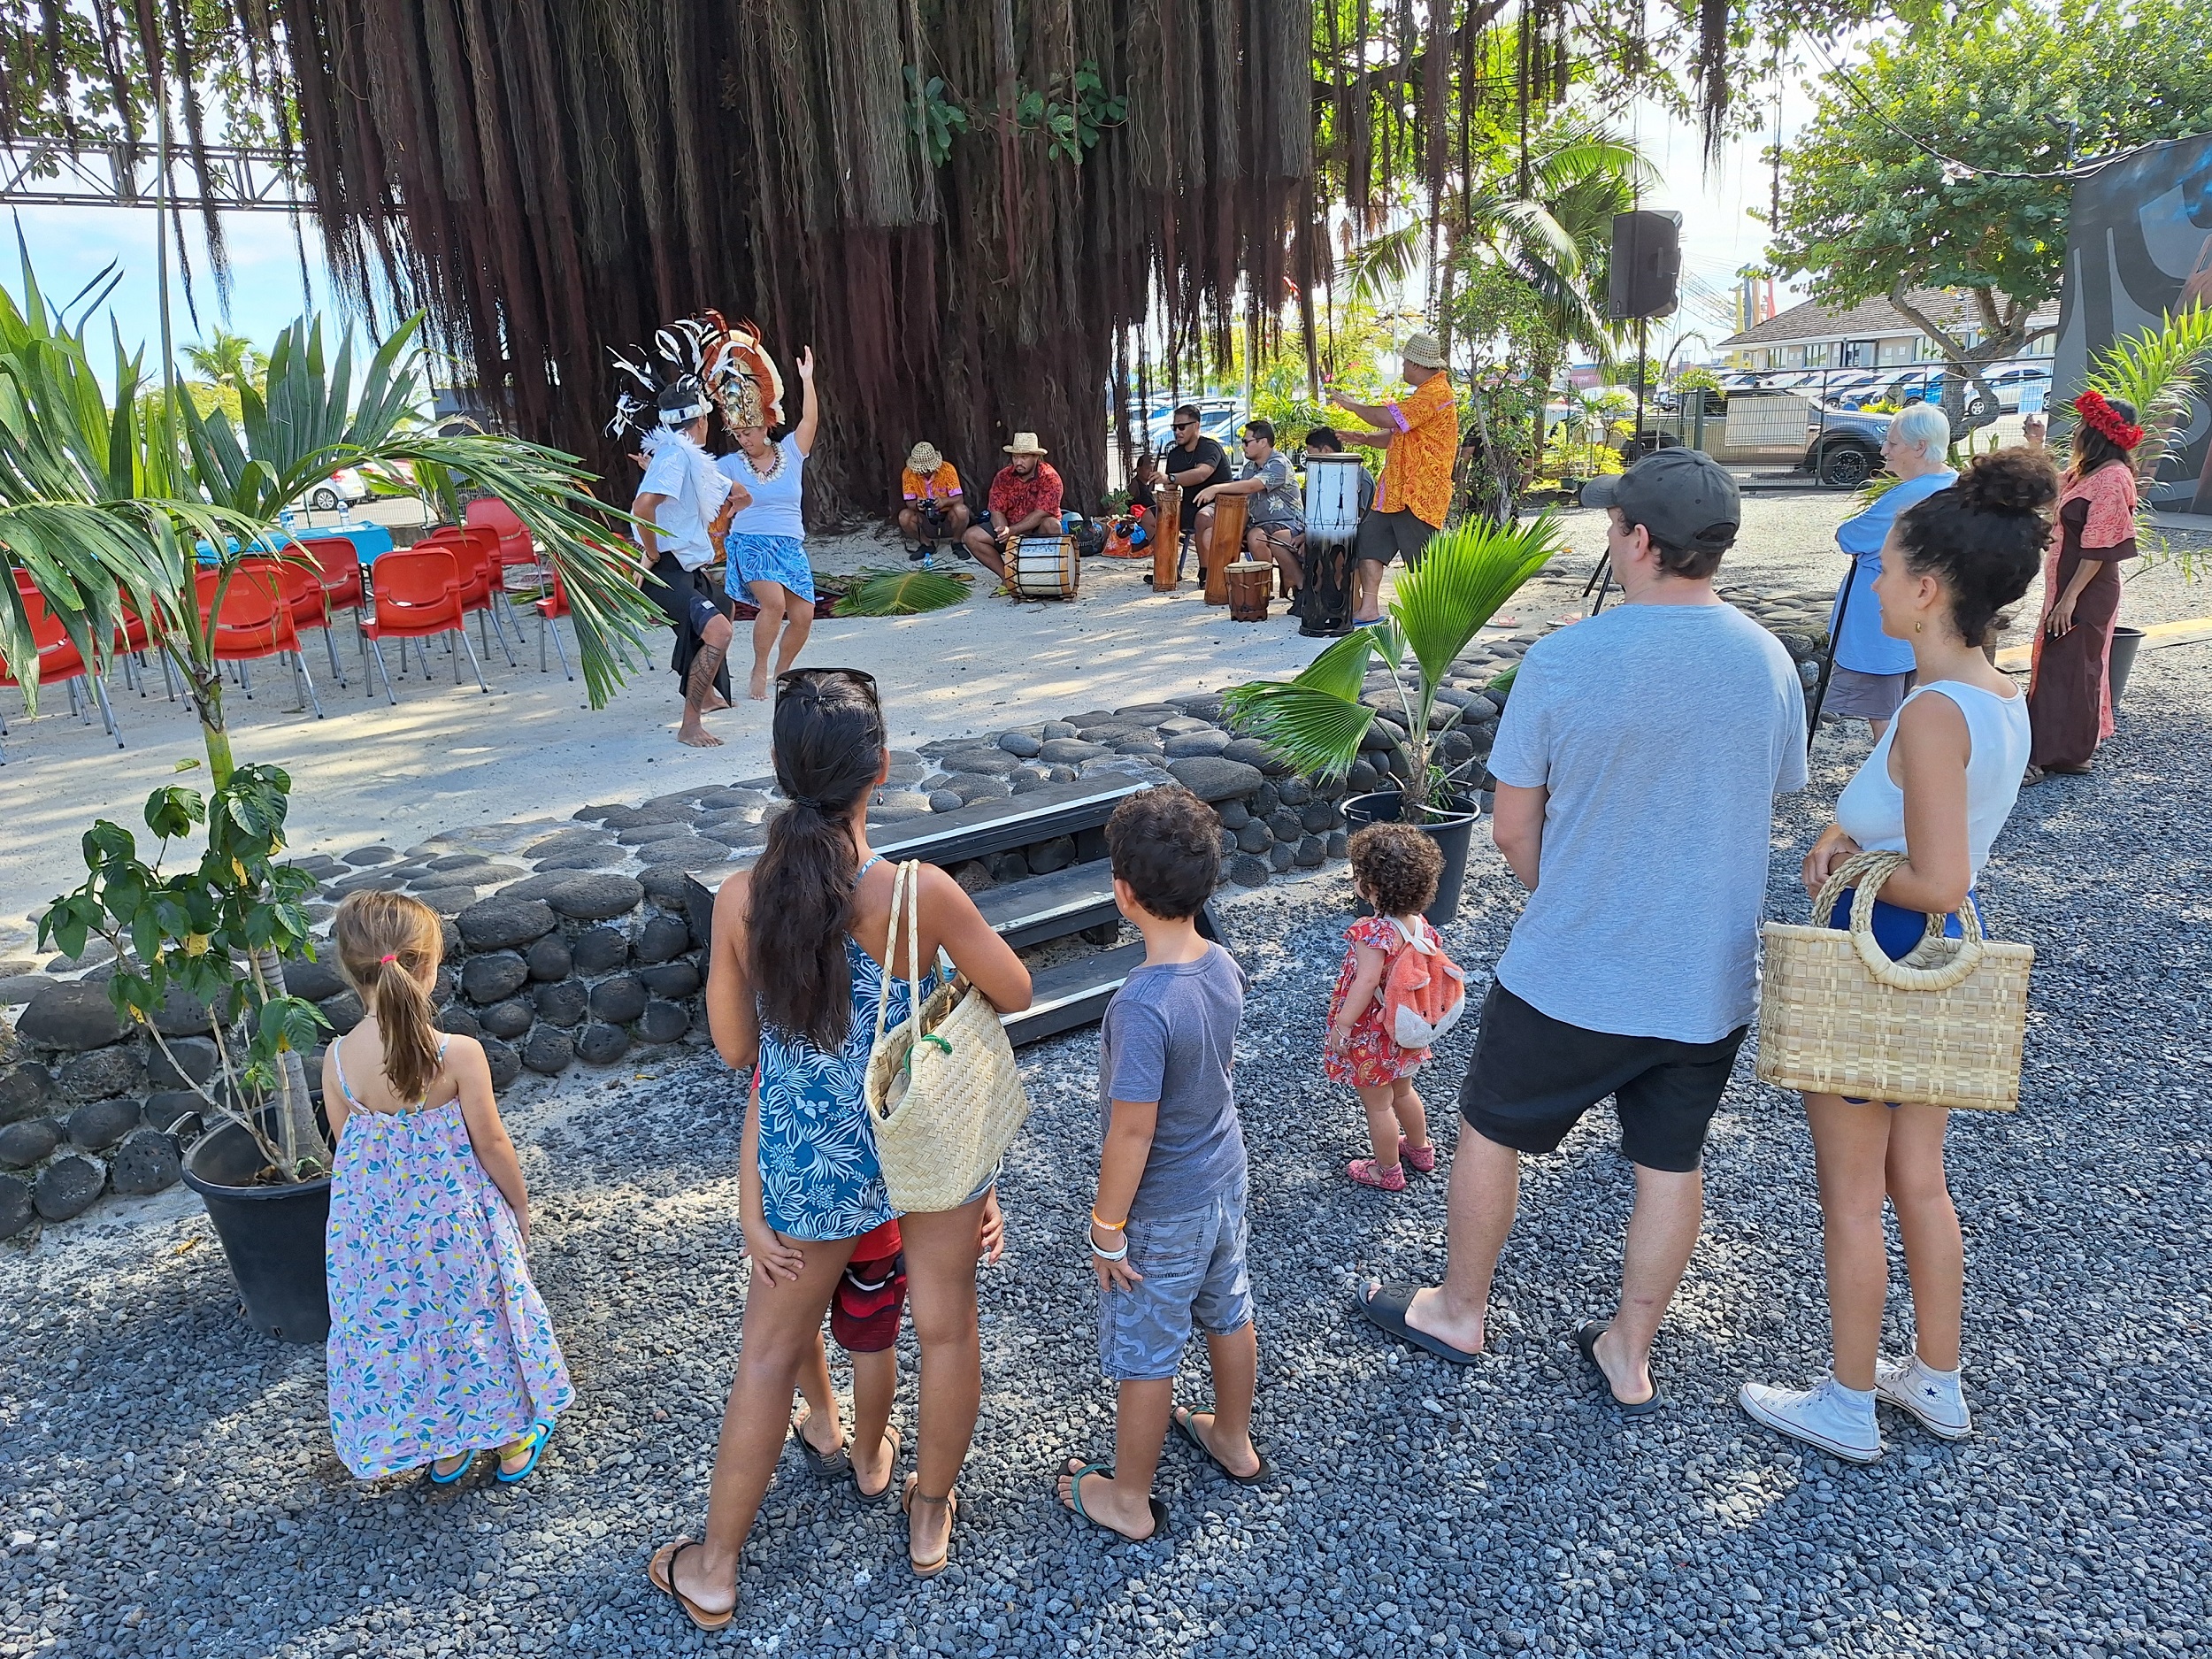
(437, 1479)
(1586, 1336)
(1181, 1419)
(892, 1435)
(929, 1568)
(661, 1573)
(1076, 1467)
(1386, 1305)
(826, 1465)
(541, 1432)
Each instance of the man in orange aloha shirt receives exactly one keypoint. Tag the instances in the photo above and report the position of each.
(1422, 432)
(931, 506)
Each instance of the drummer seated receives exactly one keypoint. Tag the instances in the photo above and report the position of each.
(932, 509)
(1024, 501)
(1275, 518)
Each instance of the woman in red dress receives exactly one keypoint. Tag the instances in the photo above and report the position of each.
(2070, 694)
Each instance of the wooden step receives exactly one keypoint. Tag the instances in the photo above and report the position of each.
(984, 827)
(1073, 994)
(1050, 906)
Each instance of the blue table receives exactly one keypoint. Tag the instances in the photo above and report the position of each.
(369, 541)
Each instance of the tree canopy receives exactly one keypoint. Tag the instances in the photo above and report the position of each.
(1944, 160)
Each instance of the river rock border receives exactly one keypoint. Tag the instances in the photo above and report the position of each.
(568, 941)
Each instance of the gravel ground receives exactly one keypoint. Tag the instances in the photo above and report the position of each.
(167, 1484)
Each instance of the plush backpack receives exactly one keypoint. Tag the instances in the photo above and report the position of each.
(1424, 993)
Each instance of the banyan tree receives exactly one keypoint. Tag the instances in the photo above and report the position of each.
(982, 214)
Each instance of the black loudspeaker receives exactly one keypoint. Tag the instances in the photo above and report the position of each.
(1646, 266)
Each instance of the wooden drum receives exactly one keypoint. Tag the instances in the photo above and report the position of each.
(1044, 567)
(1225, 546)
(1251, 584)
(1167, 536)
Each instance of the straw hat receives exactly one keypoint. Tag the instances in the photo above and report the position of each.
(1422, 352)
(1025, 443)
(922, 459)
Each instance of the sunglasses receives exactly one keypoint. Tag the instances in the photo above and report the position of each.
(1182, 425)
(796, 679)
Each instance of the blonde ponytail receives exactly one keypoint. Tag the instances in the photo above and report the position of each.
(388, 946)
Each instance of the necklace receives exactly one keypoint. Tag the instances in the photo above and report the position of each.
(759, 476)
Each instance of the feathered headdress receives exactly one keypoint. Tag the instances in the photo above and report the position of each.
(731, 363)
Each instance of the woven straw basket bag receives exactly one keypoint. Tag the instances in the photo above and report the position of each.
(941, 1087)
(1942, 1027)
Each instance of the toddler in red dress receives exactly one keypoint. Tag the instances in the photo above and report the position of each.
(1394, 870)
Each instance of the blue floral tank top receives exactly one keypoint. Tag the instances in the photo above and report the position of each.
(818, 1175)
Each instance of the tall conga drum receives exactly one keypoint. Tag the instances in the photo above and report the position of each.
(1251, 583)
(1332, 527)
(1224, 547)
(1167, 536)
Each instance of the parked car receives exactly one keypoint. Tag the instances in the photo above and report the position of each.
(1843, 448)
(1218, 418)
(2016, 378)
(344, 486)
(1925, 386)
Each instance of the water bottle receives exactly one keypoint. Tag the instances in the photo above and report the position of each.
(284, 520)
(345, 511)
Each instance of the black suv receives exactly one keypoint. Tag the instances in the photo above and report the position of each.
(1843, 448)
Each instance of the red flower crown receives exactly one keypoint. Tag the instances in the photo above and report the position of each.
(2106, 421)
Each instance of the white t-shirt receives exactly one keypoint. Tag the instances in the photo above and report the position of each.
(1871, 808)
(775, 506)
(680, 470)
(1662, 734)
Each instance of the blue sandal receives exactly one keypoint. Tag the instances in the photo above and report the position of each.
(468, 1462)
(541, 1432)
(1078, 1468)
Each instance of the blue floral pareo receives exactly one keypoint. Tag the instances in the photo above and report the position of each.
(818, 1175)
(768, 559)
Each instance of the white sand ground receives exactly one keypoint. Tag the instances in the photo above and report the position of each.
(447, 757)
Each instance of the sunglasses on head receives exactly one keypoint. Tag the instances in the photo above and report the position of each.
(796, 679)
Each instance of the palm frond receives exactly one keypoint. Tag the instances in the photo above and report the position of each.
(1467, 573)
(1384, 262)
(1341, 668)
(2156, 371)
(1316, 733)
(897, 593)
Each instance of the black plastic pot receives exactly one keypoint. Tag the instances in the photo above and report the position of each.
(1452, 834)
(2125, 642)
(273, 1236)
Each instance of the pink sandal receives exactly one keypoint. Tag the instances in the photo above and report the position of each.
(1367, 1173)
(1421, 1158)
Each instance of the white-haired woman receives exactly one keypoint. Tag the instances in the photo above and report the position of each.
(1873, 672)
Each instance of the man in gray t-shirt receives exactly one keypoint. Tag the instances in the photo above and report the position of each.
(1637, 765)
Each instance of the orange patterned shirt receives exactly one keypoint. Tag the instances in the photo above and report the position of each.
(1417, 470)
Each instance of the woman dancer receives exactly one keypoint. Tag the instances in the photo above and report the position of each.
(1937, 788)
(800, 944)
(767, 538)
(2070, 694)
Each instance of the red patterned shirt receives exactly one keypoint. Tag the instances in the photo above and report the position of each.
(1014, 497)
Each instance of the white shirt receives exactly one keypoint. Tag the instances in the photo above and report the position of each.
(679, 469)
(775, 506)
(1871, 809)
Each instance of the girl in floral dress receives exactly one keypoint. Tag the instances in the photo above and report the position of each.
(439, 1346)
(1394, 870)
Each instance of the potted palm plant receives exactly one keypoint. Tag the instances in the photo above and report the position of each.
(1319, 725)
(116, 500)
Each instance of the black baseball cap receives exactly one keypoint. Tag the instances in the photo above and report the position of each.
(1683, 496)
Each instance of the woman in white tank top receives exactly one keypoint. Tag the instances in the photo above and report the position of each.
(1937, 788)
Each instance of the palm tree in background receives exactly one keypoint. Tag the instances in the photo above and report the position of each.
(227, 359)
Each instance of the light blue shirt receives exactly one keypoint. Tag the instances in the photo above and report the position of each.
(1861, 645)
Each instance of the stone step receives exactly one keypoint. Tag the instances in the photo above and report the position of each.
(1053, 906)
(1073, 994)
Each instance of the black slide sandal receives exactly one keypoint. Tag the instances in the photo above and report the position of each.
(1386, 1305)
(826, 1465)
(1181, 1419)
(1586, 1336)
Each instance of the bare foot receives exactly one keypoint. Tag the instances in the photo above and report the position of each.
(871, 1475)
(693, 735)
(1106, 1505)
(1240, 1458)
(1612, 1360)
(929, 1527)
(811, 1434)
(715, 700)
(759, 690)
(1427, 1314)
(687, 1572)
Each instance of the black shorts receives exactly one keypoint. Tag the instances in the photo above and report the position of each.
(1533, 1077)
(1383, 536)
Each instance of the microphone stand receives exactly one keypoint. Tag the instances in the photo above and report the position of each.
(1828, 662)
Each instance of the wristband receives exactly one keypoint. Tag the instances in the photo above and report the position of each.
(1098, 1220)
(1122, 1255)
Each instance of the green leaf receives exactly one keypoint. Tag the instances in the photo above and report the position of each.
(1466, 575)
(1316, 732)
(895, 593)
(1341, 668)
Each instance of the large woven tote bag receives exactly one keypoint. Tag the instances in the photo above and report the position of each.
(1942, 1027)
(941, 1085)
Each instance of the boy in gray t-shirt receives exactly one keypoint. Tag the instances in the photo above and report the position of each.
(1167, 1228)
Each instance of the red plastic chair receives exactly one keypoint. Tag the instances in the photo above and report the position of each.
(58, 660)
(493, 514)
(309, 602)
(344, 586)
(255, 622)
(419, 595)
(550, 607)
(476, 555)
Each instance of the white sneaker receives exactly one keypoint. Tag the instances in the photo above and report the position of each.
(1932, 1396)
(1838, 1420)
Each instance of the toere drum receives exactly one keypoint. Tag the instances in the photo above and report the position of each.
(1044, 567)
(1167, 538)
(1251, 583)
(1329, 588)
(1331, 497)
(1224, 545)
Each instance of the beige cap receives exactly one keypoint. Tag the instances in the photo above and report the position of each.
(1422, 352)
(1025, 443)
(923, 457)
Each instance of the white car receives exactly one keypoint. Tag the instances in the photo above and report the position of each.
(344, 486)
(2015, 378)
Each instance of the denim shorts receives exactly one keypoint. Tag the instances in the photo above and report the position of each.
(1193, 1272)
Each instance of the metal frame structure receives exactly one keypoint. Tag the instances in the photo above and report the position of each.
(237, 179)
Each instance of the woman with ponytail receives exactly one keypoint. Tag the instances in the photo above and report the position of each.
(1937, 788)
(2070, 694)
(440, 1348)
(800, 950)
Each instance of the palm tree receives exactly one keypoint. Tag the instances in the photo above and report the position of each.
(227, 359)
